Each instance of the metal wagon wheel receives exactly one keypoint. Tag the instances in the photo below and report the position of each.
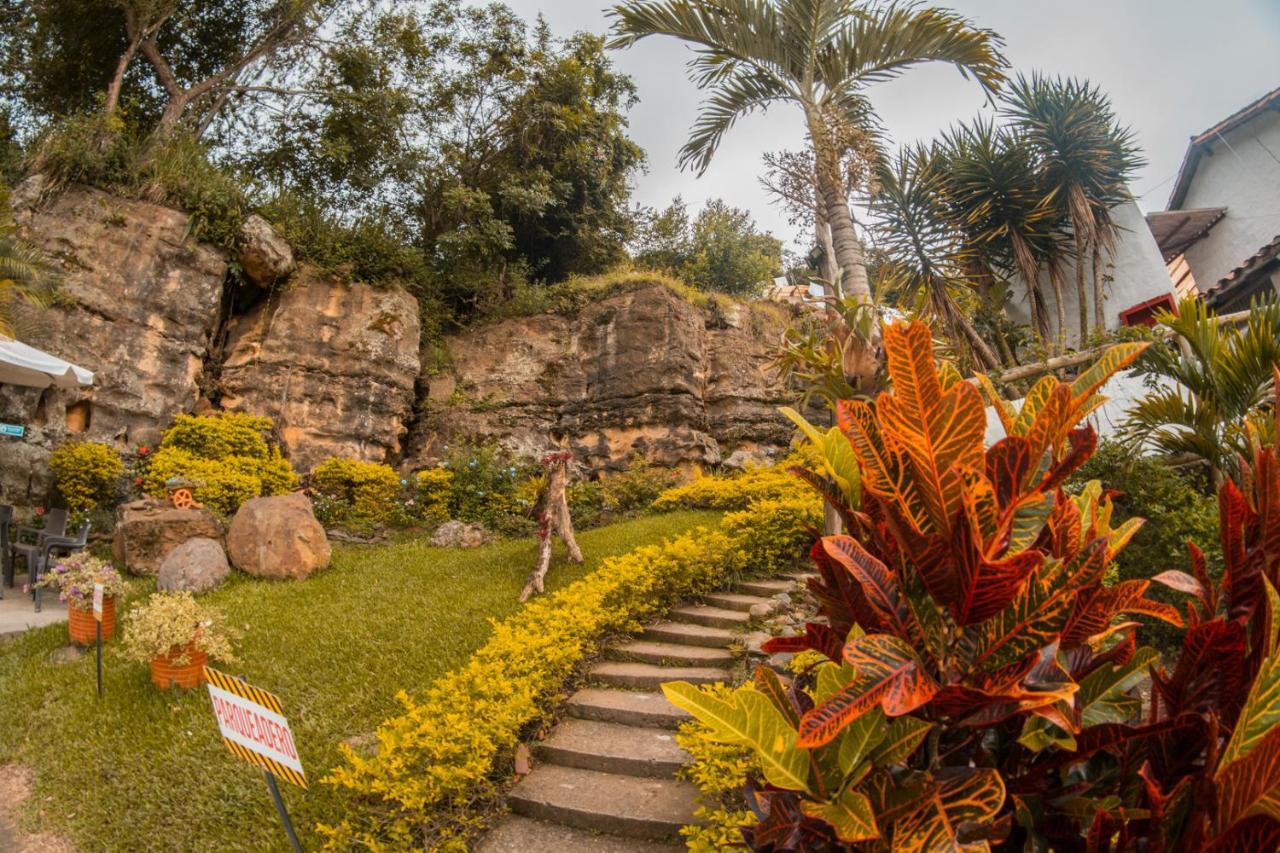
(183, 499)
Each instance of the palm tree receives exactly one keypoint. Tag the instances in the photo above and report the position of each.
(1208, 391)
(922, 244)
(1087, 160)
(819, 55)
(1010, 217)
(25, 277)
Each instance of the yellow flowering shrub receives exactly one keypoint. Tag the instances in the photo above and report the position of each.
(455, 744)
(731, 492)
(358, 493)
(87, 474)
(719, 771)
(226, 456)
(432, 489)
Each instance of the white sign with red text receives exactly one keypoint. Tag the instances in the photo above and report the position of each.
(254, 727)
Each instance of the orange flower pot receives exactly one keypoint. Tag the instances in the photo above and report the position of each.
(80, 623)
(166, 673)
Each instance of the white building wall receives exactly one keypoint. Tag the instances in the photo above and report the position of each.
(1137, 274)
(1242, 175)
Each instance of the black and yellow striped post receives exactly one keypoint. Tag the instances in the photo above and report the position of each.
(271, 768)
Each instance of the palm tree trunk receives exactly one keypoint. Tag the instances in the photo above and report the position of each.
(830, 271)
(1099, 298)
(1082, 295)
(844, 238)
(1055, 279)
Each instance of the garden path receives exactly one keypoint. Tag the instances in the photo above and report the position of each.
(604, 778)
(18, 612)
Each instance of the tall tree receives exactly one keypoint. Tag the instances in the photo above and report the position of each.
(817, 55)
(1087, 159)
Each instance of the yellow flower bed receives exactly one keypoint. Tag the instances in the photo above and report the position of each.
(453, 747)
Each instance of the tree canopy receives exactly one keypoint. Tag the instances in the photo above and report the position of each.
(721, 249)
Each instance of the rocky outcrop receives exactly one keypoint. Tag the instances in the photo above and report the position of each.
(333, 363)
(138, 303)
(148, 531)
(644, 371)
(278, 538)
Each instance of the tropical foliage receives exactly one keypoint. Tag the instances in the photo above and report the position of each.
(25, 275)
(978, 677)
(1209, 389)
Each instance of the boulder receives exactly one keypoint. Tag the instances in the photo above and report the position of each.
(265, 256)
(460, 534)
(278, 538)
(148, 531)
(197, 565)
(333, 363)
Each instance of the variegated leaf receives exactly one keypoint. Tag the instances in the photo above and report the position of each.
(958, 796)
(1115, 359)
(1004, 410)
(860, 738)
(902, 738)
(850, 815)
(1261, 712)
(879, 583)
(886, 674)
(1250, 785)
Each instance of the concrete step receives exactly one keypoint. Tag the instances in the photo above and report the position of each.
(628, 707)
(800, 577)
(613, 748)
(646, 676)
(669, 654)
(712, 617)
(767, 588)
(605, 802)
(689, 635)
(517, 834)
(735, 601)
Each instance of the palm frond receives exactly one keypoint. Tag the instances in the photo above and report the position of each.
(741, 93)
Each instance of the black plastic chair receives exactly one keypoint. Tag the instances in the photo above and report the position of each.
(51, 544)
(28, 541)
(6, 556)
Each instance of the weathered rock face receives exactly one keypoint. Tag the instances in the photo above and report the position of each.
(278, 538)
(333, 363)
(197, 565)
(265, 256)
(139, 303)
(640, 372)
(148, 531)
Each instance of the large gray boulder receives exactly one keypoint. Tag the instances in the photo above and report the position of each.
(278, 538)
(197, 565)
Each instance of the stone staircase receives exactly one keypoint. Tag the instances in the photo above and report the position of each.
(603, 779)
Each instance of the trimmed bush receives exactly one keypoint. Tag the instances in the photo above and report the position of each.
(227, 456)
(730, 492)
(356, 493)
(87, 475)
(432, 489)
(454, 746)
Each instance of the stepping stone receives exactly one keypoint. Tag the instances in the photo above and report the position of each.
(736, 601)
(767, 588)
(689, 635)
(605, 802)
(669, 654)
(712, 617)
(521, 835)
(612, 748)
(628, 707)
(646, 676)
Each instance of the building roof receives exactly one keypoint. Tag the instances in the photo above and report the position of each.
(1200, 144)
(1241, 274)
(1175, 230)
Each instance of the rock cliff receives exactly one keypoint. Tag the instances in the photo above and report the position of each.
(643, 371)
(337, 364)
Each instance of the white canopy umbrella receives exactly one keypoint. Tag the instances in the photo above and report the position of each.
(24, 365)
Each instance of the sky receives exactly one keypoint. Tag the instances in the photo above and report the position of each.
(1173, 68)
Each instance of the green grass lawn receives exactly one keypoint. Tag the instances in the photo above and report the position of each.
(145, 770)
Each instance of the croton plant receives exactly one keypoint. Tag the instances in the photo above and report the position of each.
(978, 679)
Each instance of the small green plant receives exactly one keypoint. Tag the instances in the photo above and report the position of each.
(485, 479)
(636, 488)
(87, 475)
(432, 488)
(174, 624)
(74, 576)
(227, 456)
(719, 770)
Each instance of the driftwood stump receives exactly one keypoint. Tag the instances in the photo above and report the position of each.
(553, 518)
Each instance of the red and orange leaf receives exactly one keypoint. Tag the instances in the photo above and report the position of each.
(1248, 836)
(878, 582)
(1115, 359)
(883, 472)
(984, 586)
(886, 673)
(1036, 399)
(1004, 411)
(1054, 420)
(1095, 608)
(1081, 444)
(1008, 464)
(957, 797)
